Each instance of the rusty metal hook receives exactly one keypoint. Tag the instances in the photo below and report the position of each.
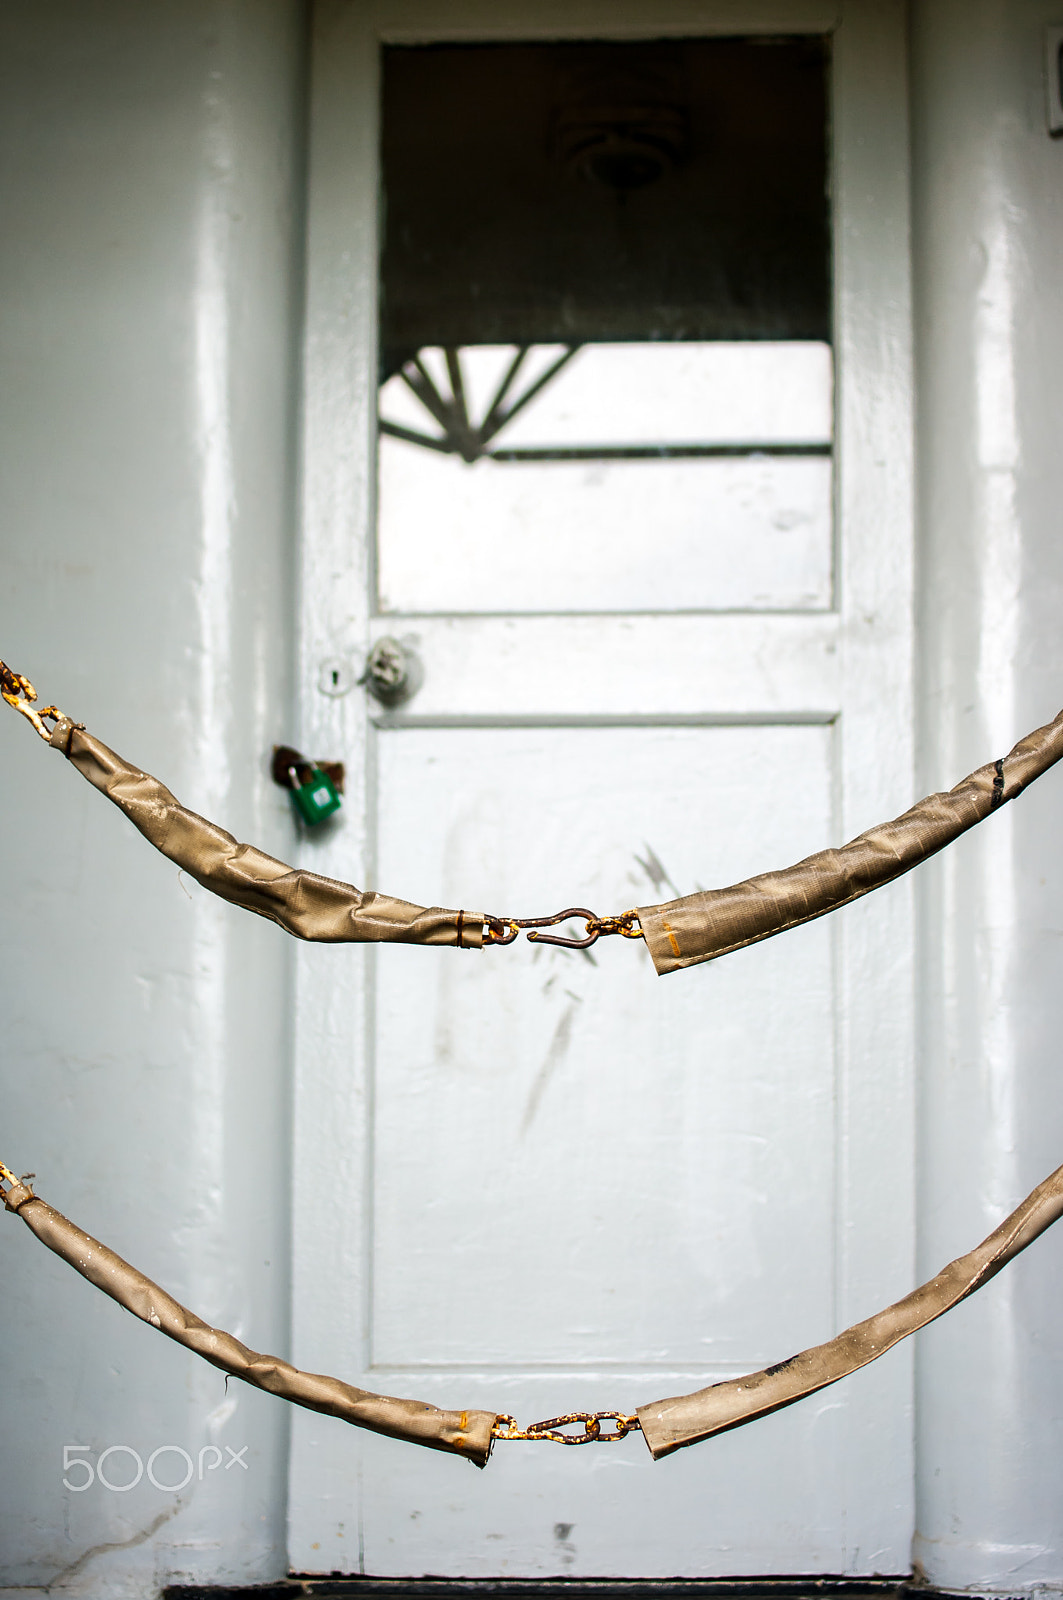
(503, 930)
(562, 916)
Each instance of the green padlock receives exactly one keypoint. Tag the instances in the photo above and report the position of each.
(315, 799)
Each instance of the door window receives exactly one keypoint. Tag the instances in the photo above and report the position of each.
(582, 243)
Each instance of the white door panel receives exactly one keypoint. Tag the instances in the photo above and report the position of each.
(638, 1142)
(737, 537)
(722, 668)
(613, 1513)
(538, 1180)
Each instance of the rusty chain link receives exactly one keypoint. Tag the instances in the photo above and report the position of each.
(20, 693)
(506, 1428)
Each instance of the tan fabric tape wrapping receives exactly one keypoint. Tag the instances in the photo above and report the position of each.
(666, 1425)
(714, 922)
(670, 1424)
(304, 903)
(463, 1433)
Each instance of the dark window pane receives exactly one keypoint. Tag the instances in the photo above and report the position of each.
(567, 193)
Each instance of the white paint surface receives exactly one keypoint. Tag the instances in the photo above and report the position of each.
(149, 184)
(989, 234)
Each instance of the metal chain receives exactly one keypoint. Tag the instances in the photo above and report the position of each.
(20, 693)
(506, 1428)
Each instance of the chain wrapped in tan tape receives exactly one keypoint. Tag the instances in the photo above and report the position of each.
(669, 1424)
(714, 922)
(666, 1425)
(679, 933)
(463, 1433)
(304, 903)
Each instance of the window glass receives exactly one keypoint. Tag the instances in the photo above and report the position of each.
(637, 477)
(606, 379)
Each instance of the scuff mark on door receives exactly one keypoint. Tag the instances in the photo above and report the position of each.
(556, 1052)
(655, 870)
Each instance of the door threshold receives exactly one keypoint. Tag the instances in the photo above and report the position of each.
(337, 1585)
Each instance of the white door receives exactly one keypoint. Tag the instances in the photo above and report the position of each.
(538, 1180)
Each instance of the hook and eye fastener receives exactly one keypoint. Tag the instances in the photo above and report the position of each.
(503, 930)
(593, 928)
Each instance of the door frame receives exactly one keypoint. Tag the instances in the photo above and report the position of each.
(332, 1018)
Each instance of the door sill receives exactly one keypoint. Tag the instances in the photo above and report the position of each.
(336, 1585)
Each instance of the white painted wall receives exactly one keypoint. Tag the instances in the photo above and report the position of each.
(150, 179)
(989, 344)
